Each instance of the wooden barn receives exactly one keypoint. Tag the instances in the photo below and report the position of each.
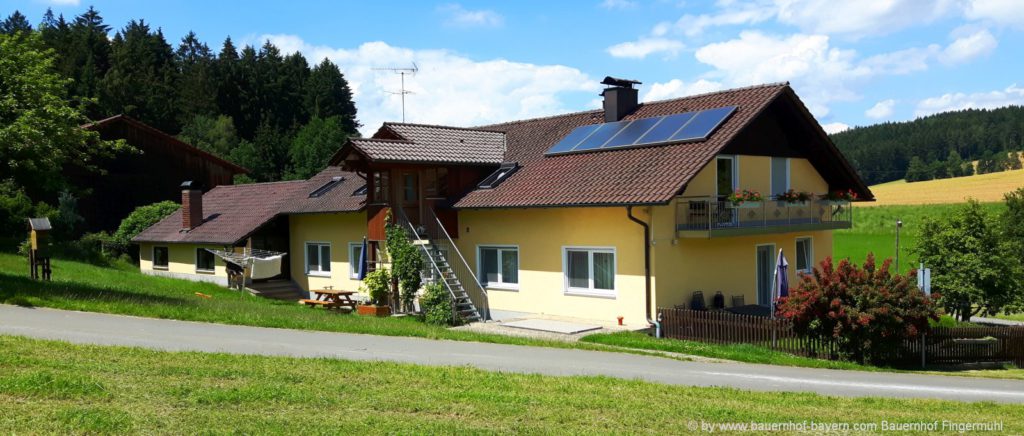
(152, 174)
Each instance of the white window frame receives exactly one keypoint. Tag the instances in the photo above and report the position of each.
(810, 254)
(162, 267)
(319, 253)
(590, 291)
(353, 267)
(735, 161)
(500, 285)
(196, 264)
(789, 174)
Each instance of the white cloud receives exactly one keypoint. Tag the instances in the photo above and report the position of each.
(644, 47)
(618, 4)
(882, 109)
(64, 2)
(677, 88)
(692, 25)
(836, 127)
(969, 47)
(1012, 95)
(449, 89)
(858, 19)
(1004, 12)
(461, 17)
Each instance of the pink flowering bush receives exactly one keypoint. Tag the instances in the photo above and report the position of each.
(868, 312)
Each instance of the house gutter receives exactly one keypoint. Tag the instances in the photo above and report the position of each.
(647, 270)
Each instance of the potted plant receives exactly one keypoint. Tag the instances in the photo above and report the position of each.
(743, 199)
(793, 197)
(839, 197)
(377, 284)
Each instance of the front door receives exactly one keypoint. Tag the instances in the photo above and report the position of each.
(411, 196)
(765, 270)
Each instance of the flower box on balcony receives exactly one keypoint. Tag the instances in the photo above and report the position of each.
(745, 205)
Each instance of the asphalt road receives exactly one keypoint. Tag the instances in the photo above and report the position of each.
(160, 334)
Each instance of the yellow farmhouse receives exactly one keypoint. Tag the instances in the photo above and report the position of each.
(595, 215)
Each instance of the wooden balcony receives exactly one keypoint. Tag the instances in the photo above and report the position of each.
(704, 217)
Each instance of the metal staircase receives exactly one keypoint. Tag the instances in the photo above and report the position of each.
(448, 266)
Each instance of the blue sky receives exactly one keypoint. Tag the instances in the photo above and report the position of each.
(853, 63)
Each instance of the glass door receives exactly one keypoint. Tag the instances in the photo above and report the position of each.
(765, 270)
(411, 196)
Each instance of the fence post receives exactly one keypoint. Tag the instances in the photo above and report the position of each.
(924, 344)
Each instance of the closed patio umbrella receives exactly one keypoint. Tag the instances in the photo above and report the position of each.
(781, 288)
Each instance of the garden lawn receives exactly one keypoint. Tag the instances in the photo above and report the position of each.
(55, 387)
(874, 231)
(755, 354)
(122, 289)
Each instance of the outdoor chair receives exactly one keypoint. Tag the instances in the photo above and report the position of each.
(737, 301)
(718, 301)
(697, 302)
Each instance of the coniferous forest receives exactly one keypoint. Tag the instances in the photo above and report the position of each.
(936, 146)
(278, 115)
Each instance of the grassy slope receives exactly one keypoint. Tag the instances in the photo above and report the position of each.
(983, 187)
(874, 231)
(53, 387)
(123, 290)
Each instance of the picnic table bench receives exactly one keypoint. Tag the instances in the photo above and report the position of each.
(331, 299)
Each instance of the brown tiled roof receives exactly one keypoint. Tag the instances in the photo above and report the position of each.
(651, 175)
(340, 198)
(426, 143)
(232, 212)
(183, 146)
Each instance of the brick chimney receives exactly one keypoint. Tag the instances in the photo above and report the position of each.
(620, 98)
(191, 205)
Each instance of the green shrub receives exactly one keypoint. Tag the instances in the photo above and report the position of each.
(140, 219)
(436, 305)
(15, 208)
(377, 284)
(67, 222)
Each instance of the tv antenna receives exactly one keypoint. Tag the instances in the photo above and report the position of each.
(402, 71)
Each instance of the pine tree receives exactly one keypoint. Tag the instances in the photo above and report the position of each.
(917, 170)
(954, 164)
(248, 91)
(15, 23)
(197, 89)
(142, 78)
(328, 95)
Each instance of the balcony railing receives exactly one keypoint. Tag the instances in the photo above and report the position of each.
(706, 217)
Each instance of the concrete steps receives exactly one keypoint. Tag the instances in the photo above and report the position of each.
(277, 290)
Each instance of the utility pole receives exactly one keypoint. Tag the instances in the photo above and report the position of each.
(402, 71)
(899, 224)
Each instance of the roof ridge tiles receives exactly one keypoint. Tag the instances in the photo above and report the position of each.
(599, 111)
(440, 126)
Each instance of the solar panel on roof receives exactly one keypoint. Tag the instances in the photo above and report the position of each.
(628, 135)
(688, 126)
(703, 124)
(574, 137)
(664, 130)
(602, 135)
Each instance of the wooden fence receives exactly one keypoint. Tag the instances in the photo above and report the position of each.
(944, 345)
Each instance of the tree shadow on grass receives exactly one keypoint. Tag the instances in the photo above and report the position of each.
(18, 290)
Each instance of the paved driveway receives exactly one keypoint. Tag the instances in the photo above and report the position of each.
(160, 334)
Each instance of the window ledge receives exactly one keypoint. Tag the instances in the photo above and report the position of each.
(588, 293)
(160, 268)
(205, 271)
(498, 287)
(319, 274)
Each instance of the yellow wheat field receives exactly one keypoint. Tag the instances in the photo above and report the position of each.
(982, 187)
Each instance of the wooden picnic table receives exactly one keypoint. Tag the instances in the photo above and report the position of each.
(331, 299)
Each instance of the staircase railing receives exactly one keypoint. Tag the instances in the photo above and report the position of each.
(439, 236)
(403, 221)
